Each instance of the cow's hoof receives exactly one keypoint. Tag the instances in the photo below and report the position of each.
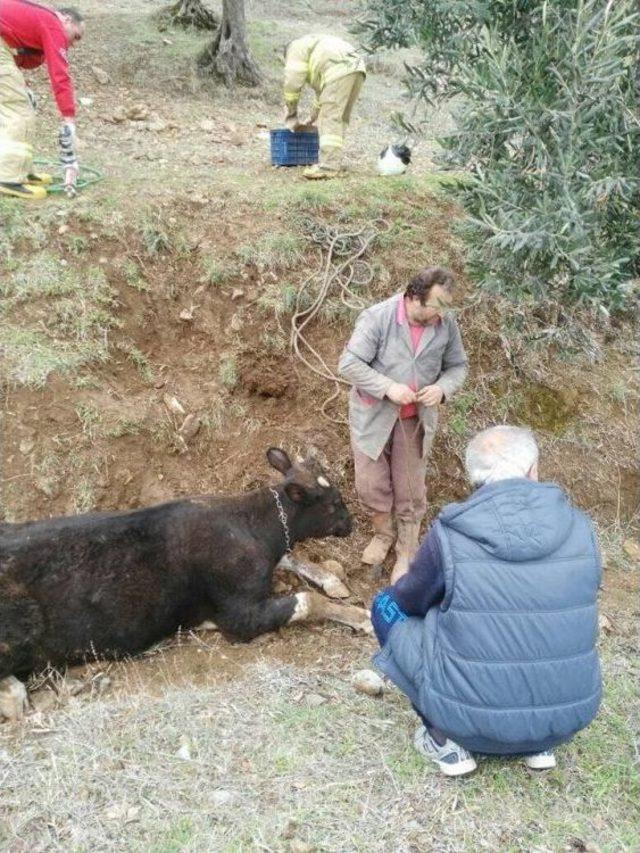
(13, 699)
(334, 588)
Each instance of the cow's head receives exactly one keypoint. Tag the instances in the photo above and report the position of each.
(319, 508)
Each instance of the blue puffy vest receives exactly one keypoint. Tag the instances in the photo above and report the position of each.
(507, 663)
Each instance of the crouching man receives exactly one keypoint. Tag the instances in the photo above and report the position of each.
(492, 632)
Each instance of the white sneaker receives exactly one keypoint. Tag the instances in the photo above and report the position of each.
(451, 758)
(540, 761)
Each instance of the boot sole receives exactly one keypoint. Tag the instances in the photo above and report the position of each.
(534, 762)
(23, 196)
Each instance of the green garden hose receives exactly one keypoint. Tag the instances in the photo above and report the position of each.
(86, 178)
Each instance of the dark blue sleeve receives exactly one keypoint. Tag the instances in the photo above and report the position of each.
(414, 594)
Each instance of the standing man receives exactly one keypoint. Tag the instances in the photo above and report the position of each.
(336, 73)
(492, 632)
(31, 34)
(404, 358)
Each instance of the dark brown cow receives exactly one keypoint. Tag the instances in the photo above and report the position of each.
(112, 584)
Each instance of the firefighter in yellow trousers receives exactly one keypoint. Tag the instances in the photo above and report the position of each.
(336, 73)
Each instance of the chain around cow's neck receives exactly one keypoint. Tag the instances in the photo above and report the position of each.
(283, 519)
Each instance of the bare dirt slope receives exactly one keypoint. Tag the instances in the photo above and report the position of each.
(175, 277)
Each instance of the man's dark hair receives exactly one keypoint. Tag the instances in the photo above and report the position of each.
(421, 284)
(71, 12)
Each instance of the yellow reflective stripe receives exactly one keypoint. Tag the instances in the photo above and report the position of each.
(331, 140)
(292, 65)
(291, 96)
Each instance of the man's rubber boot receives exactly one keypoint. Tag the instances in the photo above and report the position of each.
(23, 191)
(406, 547)
(39, 179)
(378, 548)
(320, 173)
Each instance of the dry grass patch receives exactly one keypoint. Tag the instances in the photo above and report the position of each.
(259, 762)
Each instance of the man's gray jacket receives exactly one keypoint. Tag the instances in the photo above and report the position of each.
(507, 663)
(379, 353)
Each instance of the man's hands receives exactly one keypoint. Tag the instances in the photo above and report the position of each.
(430, 395)
(291, 119)
(292, 122)
(68, 156)
(401, 394)
(67, 145)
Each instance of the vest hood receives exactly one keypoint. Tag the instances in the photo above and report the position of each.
(514, 520)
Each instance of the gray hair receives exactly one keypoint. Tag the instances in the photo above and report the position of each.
(500, 452)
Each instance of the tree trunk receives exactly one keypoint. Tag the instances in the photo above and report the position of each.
(187, 13)
(228, 55)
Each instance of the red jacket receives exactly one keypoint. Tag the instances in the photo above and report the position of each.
(36, 34)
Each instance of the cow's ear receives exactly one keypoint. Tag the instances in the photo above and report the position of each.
(297, 493)
(279, 460)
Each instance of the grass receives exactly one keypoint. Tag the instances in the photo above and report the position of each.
(138, 359)
(90, 419)
(266, 769)
(228, 372)
(134, 277)
(53, 318)
(215, 270)
(273, 251)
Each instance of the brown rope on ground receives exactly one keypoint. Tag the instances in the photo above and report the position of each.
(341, 266)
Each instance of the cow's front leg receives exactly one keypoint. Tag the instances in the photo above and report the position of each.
(311, 607)
(327, 581)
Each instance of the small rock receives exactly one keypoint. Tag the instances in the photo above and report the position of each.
(103, 260)
(186, 314)
(184, 753)
(289, 829)
(63, 229)
(314, 700)
(167, 41)
(174, 405)
(207, 125)
(334, 588)
(237, 293)
(190, 427)
(156, 125)
(119, 115)
(369, 682)
(137, 112)
(335, 568)
(297, 845)
(280, 587)
(86, 102)
(100, 74)
(26, 446)
(632, 549)
(132, 815)
(236, 323)
(13, 699)
(605, 624)
(221, 797)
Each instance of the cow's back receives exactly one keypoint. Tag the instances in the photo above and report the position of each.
(105, 583)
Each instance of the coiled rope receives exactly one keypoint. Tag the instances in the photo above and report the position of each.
(341, 267)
